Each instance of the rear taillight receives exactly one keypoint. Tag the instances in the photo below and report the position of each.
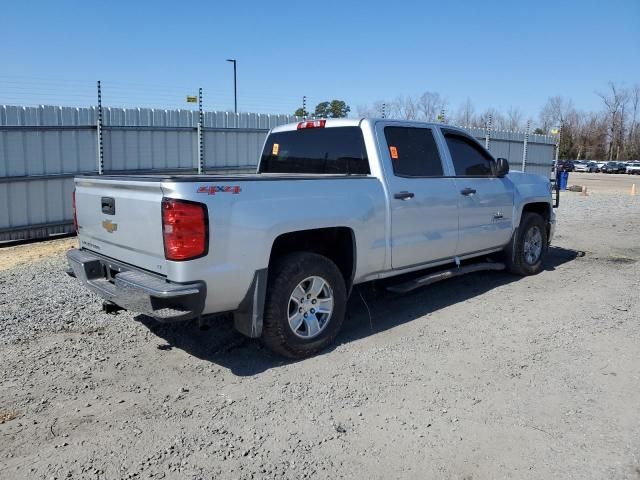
(185, 229)
(75, 214)
(312, 124)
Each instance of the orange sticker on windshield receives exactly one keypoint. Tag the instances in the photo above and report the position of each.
(275, 149)
(394, 152)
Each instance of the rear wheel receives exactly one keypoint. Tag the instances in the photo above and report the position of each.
(305, 305)
(525, 254)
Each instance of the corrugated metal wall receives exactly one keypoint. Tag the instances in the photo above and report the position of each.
(510, 145)
(145, 139)
(42, 148)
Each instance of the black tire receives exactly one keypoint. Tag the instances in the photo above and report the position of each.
(515, 257)
(287, 273)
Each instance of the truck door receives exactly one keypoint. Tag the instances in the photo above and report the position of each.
(423, 201)
(486, 202)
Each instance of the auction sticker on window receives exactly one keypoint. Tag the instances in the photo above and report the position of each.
(394, 152)
(275, 149)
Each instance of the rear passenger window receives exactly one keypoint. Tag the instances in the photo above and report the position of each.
(336, 150)
(413, 152)
(468, 158)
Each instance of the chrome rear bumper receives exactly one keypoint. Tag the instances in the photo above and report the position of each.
(136, 290)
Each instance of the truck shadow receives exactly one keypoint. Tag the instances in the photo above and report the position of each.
(371, 310)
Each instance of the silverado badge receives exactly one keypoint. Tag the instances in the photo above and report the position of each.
(109, 226)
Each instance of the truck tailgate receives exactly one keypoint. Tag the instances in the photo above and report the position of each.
(122, 219)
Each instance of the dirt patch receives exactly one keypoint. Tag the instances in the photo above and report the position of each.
(7, 416)
(623, 260)
(11, 257)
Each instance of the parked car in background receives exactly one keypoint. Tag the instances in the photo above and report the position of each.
(622, 167)
(599, 166)
(633, 168)
(589, 167)
(613, 167)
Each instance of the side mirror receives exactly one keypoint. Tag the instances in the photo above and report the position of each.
(502, 167)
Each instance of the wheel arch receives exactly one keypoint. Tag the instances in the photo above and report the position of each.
(544, 209)
(338, 244)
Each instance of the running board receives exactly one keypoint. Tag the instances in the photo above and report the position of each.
(444, 275)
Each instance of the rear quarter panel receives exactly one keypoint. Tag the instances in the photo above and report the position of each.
(244, 225)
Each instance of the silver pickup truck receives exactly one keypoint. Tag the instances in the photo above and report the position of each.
(334, 203)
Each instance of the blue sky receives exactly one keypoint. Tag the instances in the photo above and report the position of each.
(498, 53)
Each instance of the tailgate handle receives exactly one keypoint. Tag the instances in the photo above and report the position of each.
(108, 205)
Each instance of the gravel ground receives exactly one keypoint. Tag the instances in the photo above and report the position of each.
(484, 376)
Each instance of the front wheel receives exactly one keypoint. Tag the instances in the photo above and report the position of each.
(305, 305)
(526, 252)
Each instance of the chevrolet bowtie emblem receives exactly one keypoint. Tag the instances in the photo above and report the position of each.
(109, 226)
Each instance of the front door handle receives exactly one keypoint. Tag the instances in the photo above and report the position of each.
(468, 191)
(403, 195)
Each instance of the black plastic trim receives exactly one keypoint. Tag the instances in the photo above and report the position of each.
(248, 318)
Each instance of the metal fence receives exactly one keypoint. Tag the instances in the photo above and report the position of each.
(42, 148)
(540, 149)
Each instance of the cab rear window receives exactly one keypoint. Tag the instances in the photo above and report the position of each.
(337, 150)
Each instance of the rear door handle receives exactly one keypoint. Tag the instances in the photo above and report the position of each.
(403, 195)
(467, 191)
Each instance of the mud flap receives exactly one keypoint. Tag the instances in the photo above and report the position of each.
(247, 319)
(510, 251)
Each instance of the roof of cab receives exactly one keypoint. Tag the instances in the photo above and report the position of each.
(355, 122)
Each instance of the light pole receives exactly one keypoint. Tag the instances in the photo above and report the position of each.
(235, 85)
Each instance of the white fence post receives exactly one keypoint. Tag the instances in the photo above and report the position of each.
(200, 135)
(524, 147)
(487, 137)
(100, 146)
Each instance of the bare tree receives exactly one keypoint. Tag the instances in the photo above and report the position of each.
(376, 110)
(634, 136)
(554, 112)
(466, 114)
(407, 107)
(497, 119)
(592, 136)
(430, 104)
(426, 107)
(393, 109)
(615, 101)
(514, 119)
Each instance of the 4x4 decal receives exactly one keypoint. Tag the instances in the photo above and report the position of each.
(213, 189)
